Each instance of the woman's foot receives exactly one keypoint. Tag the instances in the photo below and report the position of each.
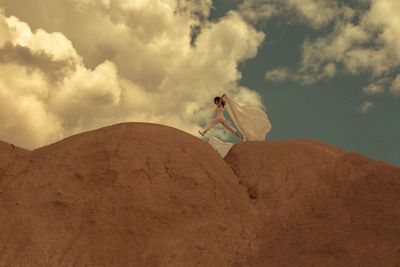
(238, 134)
(202, 133)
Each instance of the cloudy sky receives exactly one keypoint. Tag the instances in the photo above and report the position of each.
(323, 69)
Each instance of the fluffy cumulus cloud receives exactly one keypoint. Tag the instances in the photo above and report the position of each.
(41, 74)
(365, 39)
(72, 65)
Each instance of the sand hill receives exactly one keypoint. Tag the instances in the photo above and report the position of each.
(320, 206)
(140, 194)
(8, 154)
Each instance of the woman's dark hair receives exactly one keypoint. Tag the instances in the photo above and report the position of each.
(217, 99)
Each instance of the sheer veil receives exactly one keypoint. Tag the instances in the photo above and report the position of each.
(251, 121)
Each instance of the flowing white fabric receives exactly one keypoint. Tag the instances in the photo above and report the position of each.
(252, 122)
(219, 145)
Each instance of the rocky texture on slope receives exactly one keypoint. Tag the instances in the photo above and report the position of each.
(140, 194)
(319, 205)
(125, 195)
(9, 154)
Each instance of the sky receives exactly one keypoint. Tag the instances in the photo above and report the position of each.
(323, 70)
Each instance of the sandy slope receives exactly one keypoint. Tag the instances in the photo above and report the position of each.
(140, 194)
(320, 206)
(126, 195)
(8, 154)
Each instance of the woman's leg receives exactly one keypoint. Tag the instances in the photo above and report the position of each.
(231, 129)
(228, 126)
(210, 125)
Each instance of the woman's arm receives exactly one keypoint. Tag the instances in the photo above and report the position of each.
(223, 100)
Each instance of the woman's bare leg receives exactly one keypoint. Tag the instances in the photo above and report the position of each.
(231, 129)
(228, 126)
(211, 125)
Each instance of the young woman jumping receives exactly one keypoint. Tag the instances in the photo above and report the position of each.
(220, 119)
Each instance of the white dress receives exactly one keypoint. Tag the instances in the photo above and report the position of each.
(252, 122)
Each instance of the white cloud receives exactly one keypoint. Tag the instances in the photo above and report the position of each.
(37, 69)
(278, 74)
(90, 63)
(316, 13)
(25, 118)
(395, 86)
(329, 70)
(366, 106)
(365, 40)
(377, 87)
(281, 74)
(54, 44)
(256, 10)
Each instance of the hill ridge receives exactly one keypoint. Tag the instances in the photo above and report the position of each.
(157, 196)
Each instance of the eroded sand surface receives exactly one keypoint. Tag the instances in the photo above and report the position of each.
(140, 194)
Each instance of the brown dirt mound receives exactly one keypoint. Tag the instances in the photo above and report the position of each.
(148, 195)
(320, 206)
(125, 195)
(9, 154)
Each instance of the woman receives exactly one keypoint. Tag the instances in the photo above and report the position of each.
(220, 119)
